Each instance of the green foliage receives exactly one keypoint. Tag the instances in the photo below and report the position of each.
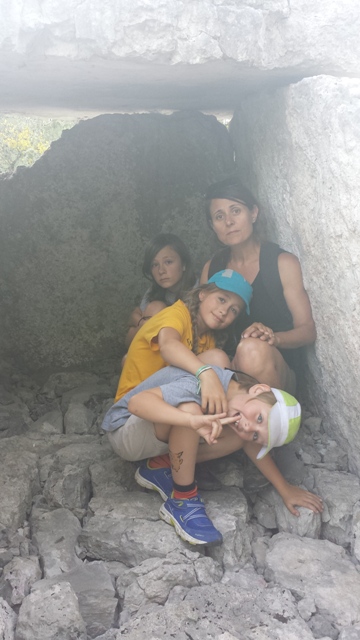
(24, 139)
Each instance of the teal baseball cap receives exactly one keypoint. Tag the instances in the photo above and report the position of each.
(232, 281)
(284, 421)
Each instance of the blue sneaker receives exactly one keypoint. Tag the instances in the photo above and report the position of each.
(159, 480)
(190, 521)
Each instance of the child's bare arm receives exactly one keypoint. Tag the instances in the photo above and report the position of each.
(213, 397)
(151, 406)
(292, 496)
(137, 319)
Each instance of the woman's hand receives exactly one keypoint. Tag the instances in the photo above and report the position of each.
(296, 497)
(259, 330)
(213, 396)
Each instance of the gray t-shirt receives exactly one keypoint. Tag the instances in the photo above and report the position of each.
(170, 298)
(176, 386)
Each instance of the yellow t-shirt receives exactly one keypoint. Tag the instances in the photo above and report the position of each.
(144, 357)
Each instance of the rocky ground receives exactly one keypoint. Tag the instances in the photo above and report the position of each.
(84, 554)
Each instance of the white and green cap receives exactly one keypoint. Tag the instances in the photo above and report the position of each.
(284, 421)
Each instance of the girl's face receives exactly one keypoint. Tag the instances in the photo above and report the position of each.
(218, 309)
(167, 268)
(232, 221)
(252, 417)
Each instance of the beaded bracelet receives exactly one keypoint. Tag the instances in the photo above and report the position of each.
(205, 367)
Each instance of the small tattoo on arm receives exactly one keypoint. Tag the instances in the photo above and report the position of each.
(176, 460)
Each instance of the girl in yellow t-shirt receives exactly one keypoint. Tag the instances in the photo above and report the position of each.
(181, 334)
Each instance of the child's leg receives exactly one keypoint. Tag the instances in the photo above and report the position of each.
(185, 510)
(215, 356)
(227, 443)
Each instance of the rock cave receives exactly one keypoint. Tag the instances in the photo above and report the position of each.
(171, 96)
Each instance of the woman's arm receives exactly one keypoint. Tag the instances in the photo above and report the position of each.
(292, 496)
(304, 331)
(213, 397)
(205, 273)
(297, 300)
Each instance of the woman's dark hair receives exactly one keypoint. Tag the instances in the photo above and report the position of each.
(229, 189)
(188, 279)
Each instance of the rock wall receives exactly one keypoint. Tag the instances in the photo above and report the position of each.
(298, 149)
(139, 54)
(75, 225)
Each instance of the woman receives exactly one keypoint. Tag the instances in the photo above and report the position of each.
(266, 345)
(168, 266)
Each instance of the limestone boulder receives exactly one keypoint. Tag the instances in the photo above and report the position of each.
(95, 592)
(8, 619)
(19, 479)
(316, 569)
(228, 511)
(153, 579)
(55, 534)
(341, 493)
(126, 527)
(297, 149)
(104, 198)
(131, 53)
(18, 577)
(51, 613)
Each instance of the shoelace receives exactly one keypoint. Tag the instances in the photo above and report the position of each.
(194, 513)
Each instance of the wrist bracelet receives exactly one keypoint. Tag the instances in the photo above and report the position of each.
(144, 318)
(205, 367)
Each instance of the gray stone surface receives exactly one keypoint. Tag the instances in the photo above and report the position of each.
(228, 510)
(297, 148)
(55, 534)
(272, 513)
(341, 492)
(51, 422)
(19, 480)
(118, 565)
(105, 199)
(153, 579)
(7, 621)
(79, 419)
(168, 54)
(17, 578)
(126, 527)
(51, 613)
(96, 595)
(318, 569)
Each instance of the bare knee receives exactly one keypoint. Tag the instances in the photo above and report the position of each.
(216, 357)
(252, 352)
(262, 361)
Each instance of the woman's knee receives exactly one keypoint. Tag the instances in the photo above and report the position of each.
(254, 351)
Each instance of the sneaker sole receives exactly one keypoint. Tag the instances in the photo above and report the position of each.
(146, 484)
(169, 519)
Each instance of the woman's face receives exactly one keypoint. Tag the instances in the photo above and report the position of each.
(167, 268)
(232, 221)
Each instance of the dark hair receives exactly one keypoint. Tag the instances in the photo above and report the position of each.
(229, 189)
(188, 279)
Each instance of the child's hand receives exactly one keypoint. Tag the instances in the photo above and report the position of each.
(213, 396)
(296, 497)
(209, 427)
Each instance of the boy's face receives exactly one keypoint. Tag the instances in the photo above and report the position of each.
(252, 418)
